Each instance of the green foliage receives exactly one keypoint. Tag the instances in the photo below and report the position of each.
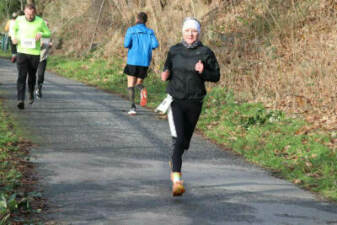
(7, 7)
(7, 205)
(271, 139)
(12, 201)
(260, 117)
(5, 54)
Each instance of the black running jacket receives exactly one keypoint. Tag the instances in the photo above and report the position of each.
(185, 82)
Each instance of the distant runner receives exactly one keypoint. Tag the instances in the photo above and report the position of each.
(46, 44)
(9, 28)
(188, 65)
(140, 41)
(28, 31)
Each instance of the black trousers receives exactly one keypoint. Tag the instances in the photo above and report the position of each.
(27, 66)
(185, 115)
(13, 46)
(40, 72)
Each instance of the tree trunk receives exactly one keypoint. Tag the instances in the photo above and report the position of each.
(7, 5)
(93, 35)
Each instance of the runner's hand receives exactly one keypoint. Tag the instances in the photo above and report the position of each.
(199, 67)
(38, 36)
(14, 41)
(165, 75)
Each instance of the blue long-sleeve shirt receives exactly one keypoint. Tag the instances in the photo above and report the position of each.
(140, 41)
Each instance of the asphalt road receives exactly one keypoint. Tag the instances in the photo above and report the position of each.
(100, 166)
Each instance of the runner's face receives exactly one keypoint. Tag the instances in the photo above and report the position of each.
(29, 14)
(190, 35)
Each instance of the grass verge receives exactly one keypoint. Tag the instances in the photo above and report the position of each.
(267, 138)
(274, 141)
(5, 54)
(18, 201)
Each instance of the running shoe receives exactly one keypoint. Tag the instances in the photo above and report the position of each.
(178, 188)
(21, 105)
(143, 97)
(132, 111)
(177, 184)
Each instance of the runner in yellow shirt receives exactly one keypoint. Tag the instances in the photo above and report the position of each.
(28, 31)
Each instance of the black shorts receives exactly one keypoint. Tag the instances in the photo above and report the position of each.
(136, 71)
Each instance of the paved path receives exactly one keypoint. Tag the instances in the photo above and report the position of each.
(100, 166)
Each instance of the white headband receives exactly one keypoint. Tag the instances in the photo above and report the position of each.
(191, 23)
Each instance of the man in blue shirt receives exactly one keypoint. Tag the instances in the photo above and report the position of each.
(140, 41)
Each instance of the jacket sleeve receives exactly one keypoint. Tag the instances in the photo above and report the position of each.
(128, 39)
(168, 63)
(212, 70)
(154, 41)
(45, 30)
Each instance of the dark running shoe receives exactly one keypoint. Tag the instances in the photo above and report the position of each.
(21, 105)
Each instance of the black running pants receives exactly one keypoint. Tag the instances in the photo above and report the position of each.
(185, 115)
(40, 72)
(26, 65)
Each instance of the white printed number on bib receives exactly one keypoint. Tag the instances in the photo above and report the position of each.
(28, 43)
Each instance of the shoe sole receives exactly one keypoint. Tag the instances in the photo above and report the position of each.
(178, 190)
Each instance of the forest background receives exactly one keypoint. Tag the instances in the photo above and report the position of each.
(278, 52)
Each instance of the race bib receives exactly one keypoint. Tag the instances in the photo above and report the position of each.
(28, 43)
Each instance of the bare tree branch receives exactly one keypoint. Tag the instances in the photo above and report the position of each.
(99, 16)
